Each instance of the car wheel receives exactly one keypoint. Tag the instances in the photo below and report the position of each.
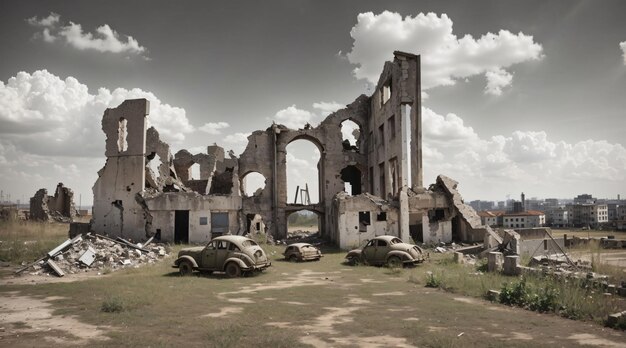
(232, 270)
(394, 262)
(293, 258)
(185, 268)
(354, 261)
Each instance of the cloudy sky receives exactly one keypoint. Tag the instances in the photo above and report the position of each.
(518, 96)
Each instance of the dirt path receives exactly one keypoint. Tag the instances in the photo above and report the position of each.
(23, 314)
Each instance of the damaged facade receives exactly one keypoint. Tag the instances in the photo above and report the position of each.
(59, 207)
(384, 170)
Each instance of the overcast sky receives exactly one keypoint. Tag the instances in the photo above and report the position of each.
(518, 95)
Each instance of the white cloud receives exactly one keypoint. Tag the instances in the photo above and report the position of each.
(50, 131)
(496, 80)
(622, 45)
(51, 20)
(293, 118)
(445, 58)
(42, 114)
(214, 128)
(523, 160)
(237, 141)
(327, 108)
(105, 39)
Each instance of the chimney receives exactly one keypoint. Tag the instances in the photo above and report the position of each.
(523, 202)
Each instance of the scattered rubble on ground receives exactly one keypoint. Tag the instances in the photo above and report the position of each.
(94, 253)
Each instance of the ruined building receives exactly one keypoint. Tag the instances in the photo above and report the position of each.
(59, 207)
(384, 171)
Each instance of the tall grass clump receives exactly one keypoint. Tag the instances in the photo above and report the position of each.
(29, 240)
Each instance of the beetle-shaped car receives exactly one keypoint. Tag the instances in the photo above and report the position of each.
(233, 255)
(302, 252)
(386, 250)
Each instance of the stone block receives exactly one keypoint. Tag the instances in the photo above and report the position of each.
(459, 258)
(493, 295)
(494, 261)
(511, 264)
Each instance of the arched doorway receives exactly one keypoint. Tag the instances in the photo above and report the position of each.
(303, 223)
(303, 172)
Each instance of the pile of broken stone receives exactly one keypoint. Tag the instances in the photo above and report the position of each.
(94, 253)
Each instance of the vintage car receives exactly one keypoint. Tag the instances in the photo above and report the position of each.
(386, 250)
(302, 252)
(233, 255)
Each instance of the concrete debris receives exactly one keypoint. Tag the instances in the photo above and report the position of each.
(88, 256)
(94, 253)
(55, 268)
(64, 245)
(494, 261)
(614, 319)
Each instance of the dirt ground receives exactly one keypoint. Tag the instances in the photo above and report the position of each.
(318, 304)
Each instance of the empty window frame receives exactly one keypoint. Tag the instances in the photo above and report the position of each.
(364, 220)
(391, 126)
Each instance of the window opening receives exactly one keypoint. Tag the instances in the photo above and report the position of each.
(122, 135)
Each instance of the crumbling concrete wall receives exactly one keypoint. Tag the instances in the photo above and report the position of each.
(199, 207)
(59, 207)
(362, 217)
(118, 209)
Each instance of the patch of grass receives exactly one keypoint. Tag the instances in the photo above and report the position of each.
(482, 266)
(394, 271)
(113, 304)
(26, 241)
(276, 309)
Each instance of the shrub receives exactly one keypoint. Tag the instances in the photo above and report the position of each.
(514, 294)
(113, 305)
(433, 281)
(545, 300)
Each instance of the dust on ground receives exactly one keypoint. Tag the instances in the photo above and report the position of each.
(24, 314)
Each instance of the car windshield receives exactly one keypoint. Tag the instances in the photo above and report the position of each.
(247, 243)
(395, 241)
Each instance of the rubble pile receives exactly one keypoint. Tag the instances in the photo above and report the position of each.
(93, 252)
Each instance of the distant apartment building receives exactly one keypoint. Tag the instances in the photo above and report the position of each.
(550, 203)
(525, 219)
(587, 214)
(479, 205)
(491, 218)
(557, 217)
(501, 205)
(584, 199)
(533, 204)
(621, 212)
(612, 210)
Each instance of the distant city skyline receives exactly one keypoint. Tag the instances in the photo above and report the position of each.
(517, 96)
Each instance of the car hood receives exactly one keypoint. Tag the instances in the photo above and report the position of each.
(190, 251)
